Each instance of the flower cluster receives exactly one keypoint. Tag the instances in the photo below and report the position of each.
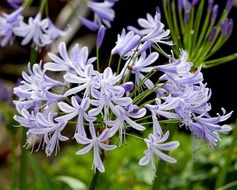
(103, 14)
(200, 42)
(101, 105)
(41, 32)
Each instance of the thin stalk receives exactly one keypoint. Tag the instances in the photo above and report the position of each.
(94, 180)
(148, 75)
(222, 174)
(178, 42)
(160, 169)
(158, 48)
(173, 28)
(110, 60)
(95, 175)
(190, 31)
(143, 118)
(97, 59)
(142, 96)
(43, 5)
(26, 4)
(23, 163)
(13, 163)
(119, 64)
(33, 56)
(202, 35)
(221, 41)
(181, 22)
(220, 60)
(197, 23)
(23, 157)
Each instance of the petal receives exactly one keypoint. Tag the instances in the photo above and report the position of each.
(85, 150)
(66, 108)
(164, 157)
(145, 160)
(134, 125)
(66, 117)
(107, 146)
(168, 146)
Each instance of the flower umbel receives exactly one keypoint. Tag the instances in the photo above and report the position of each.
(102, 106)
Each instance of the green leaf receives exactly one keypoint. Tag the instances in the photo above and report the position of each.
(73, 183)
(42, 180)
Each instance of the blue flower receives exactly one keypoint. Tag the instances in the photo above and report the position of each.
(41, 32)
(87, 81)
(155, 146)
(97, 143)
(75, 62)
(142, 65)
(103, 14)
(179, 71)
(7, 24)
(35, 88)
(207, 128)
(162, 109)
(152, 30)
(42, 129)
(126, 43)
(124, 116)
(15, 3)
(76, 110)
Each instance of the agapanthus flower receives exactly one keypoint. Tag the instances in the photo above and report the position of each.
(126, 42)
(152, 30)
(227, 27)
(192, 99)
(155, 146)
(207, 128)
(162, 110)
(43, 127)
(35, 88)
(76, 109)
(106, 103)
(40, 32)
(100, 36)
(143, 65)
(15, 3)
(186, 6)
(75, 62)
(103, 14)
(180, 71)
(124, 116)
(7, 24)
(98, 143)
(86, 81)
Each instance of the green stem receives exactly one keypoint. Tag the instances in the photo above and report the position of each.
(94, 180)
(197, 23)
(96, 175)
(148, 75)
(43, 5)
(219, 61)
(222, 174)
(97, 59)
(160, 169)
(33, 56)
(23, 157)
(119, 64)
(13, 163)
(110, 60)
(26, 4)
(23, 163)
